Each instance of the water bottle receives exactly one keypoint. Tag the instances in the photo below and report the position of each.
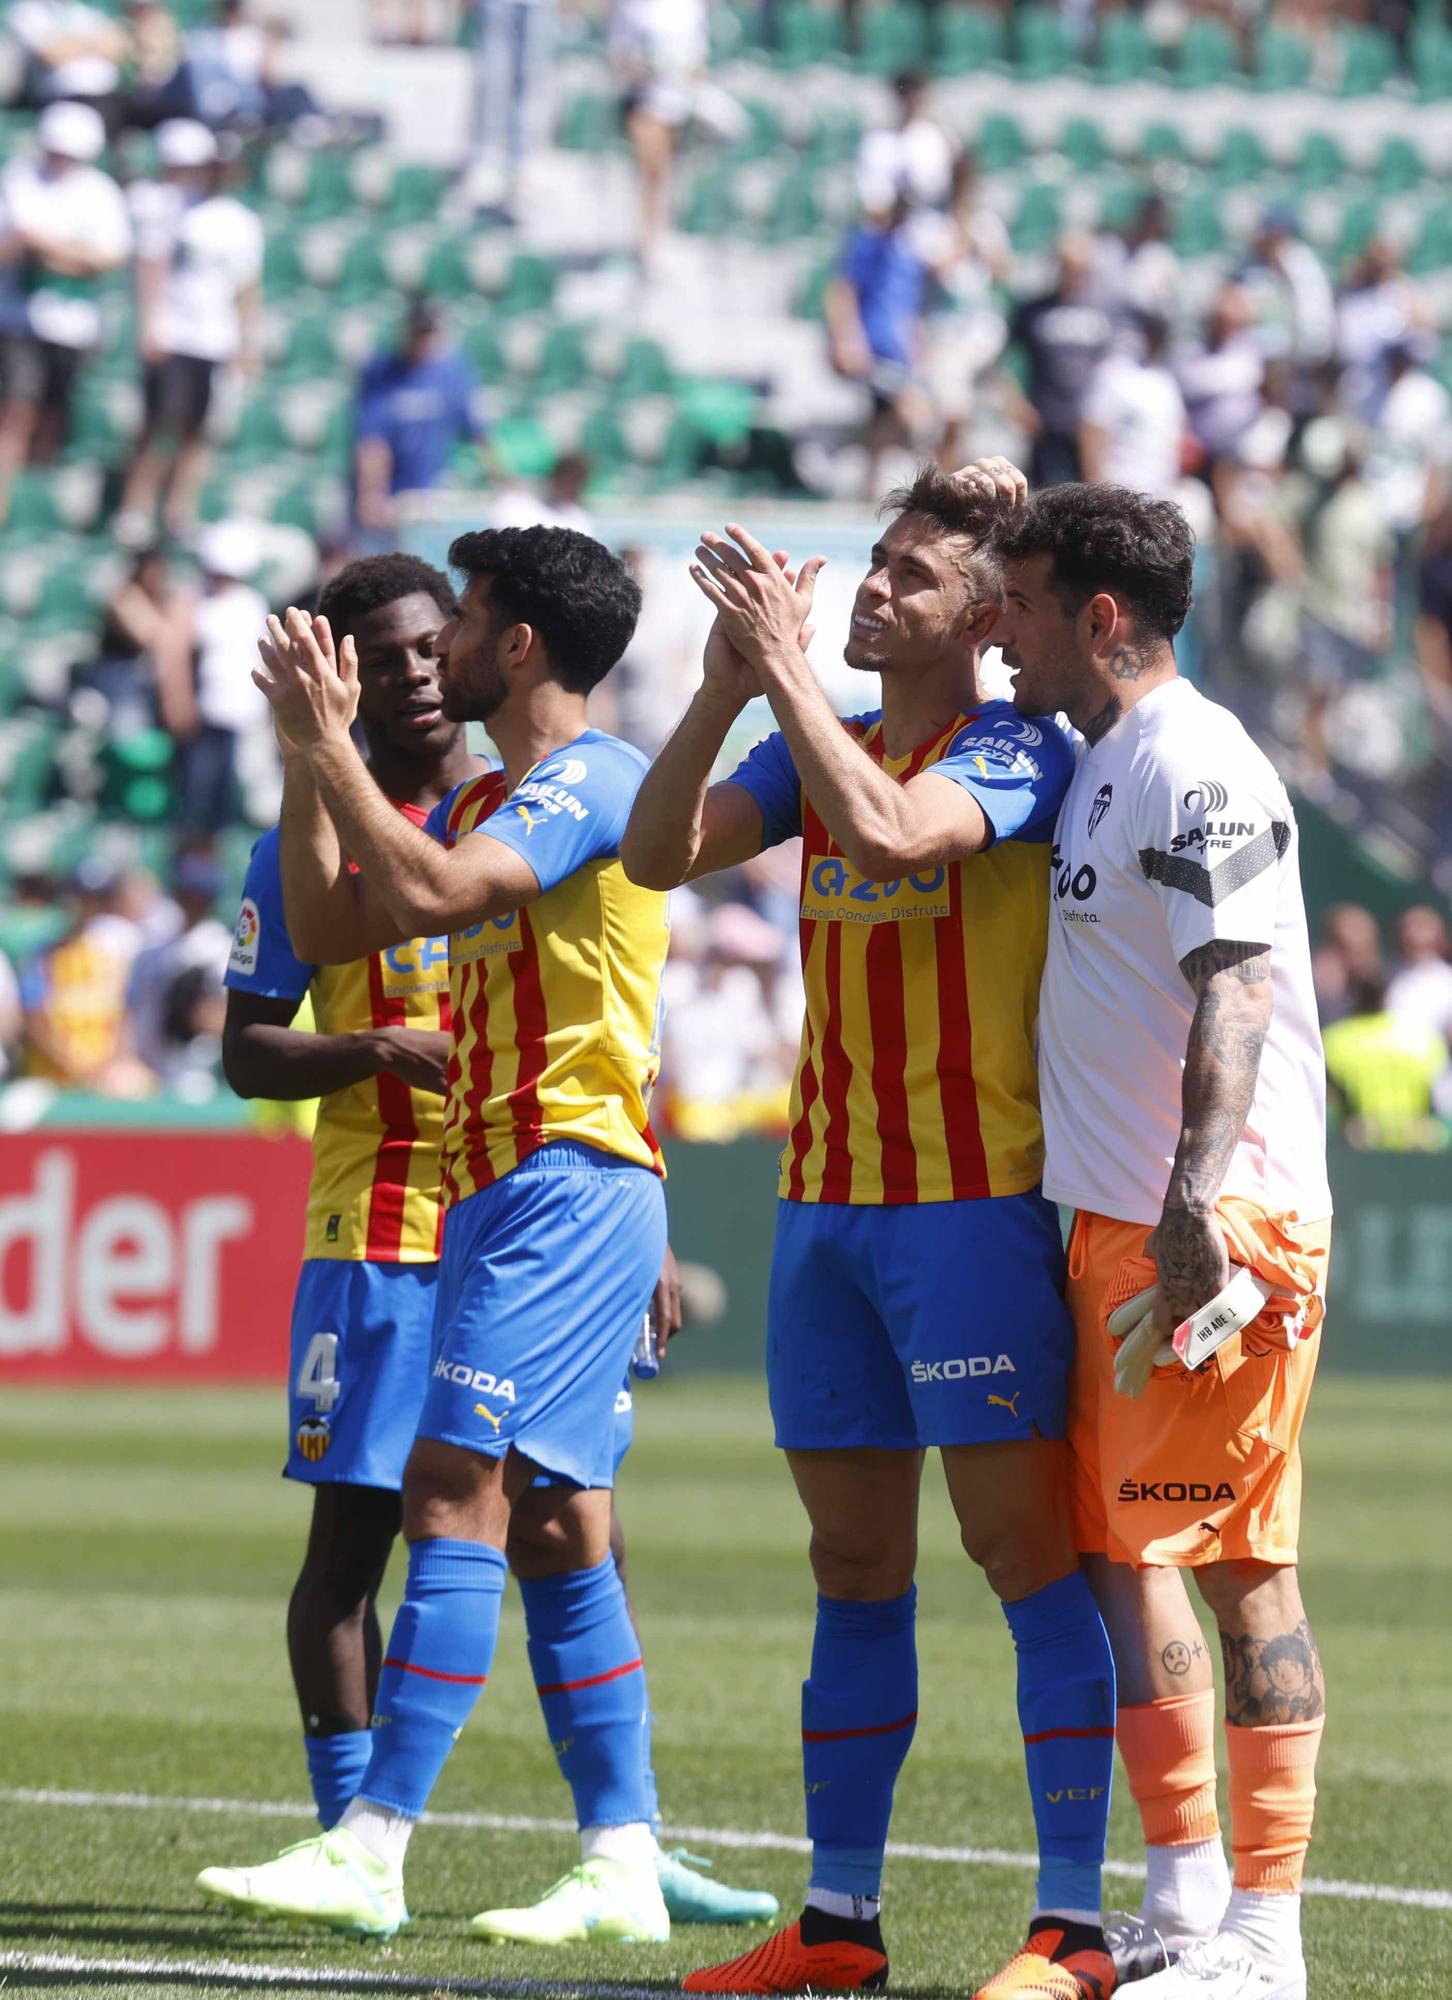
(644, 1361)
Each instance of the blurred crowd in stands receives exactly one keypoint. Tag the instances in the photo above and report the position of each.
(1298, 409)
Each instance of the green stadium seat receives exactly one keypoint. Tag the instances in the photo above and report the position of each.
(795, 211)
(1432, 250)
(417, 195)
(1199, 227)
(28, 762)
(34, 508)
(1400, 168)
(1360, 221)
(1322, 164)
(311, 350)
(588, 123)
(364, 274)
(893, 38)
(26, 928)
(966, 40)
(1368, 61)
(1282, 61)
(998, 145)
(1038, 221)
(709, 208)
(564, 360)
(136, 776)
(523, 446)
(645, 370)
(282, 267)
(763, 134)
(604, 443)
(1206, 57)
(1241, 159)
(447, 270)
(808, 34)
(1126, 51)
(1083, 145)
(260, 436)
(1043, 45)
(530, 285)
(834, 137)
(814, 286)
(480, 341)
(330, 195)
(1431, 52)
(1160, 141)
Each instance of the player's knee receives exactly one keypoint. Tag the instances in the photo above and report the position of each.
(1230, 1587)
(861, 1570)
(550, 1539)
(1015, 1560)
(352, 1535)
(448, 1492)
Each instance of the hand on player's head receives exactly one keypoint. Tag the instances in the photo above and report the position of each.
(996, 479)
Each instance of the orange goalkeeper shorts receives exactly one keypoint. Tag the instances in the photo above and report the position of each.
(1201, 1468)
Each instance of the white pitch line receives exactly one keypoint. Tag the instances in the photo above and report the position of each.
(339, 1979)
(712, 1836)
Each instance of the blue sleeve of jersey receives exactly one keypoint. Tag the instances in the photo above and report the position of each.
(571, 809)
(770, 775)
(436, 826)
(1017, 767)
(262, 959)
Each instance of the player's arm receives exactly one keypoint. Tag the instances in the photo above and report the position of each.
(885, 829)
(681, 825)
(264, 1056)
(1233, 999)
(334, 915)
(422, 887)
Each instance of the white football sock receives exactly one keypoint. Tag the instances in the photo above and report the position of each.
(1186, 1889)
(384, 1833)
(1270, 1925)
(837, 1903)
(634, 1846)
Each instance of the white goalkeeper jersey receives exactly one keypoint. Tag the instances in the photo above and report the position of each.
(1176, 830)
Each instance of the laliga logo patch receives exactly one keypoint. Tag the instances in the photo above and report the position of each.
(1102, 800)
(244, 938)
(314, 1435)
(569, 771)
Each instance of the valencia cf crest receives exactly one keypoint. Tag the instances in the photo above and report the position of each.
(1100, 807)
(314, 1435)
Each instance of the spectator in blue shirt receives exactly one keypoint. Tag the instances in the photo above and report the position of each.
(416, 405)
(874, 309)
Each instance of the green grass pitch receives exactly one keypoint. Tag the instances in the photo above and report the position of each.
(148, 1550)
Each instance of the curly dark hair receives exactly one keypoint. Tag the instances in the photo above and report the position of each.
(577, 595)
(373, 581)
(1106, 538)
(938, 497)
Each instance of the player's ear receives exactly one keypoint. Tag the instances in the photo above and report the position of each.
(516, 642)
(1103, 619)
(979, 621)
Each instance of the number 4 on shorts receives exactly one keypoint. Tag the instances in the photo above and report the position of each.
(318, 1376)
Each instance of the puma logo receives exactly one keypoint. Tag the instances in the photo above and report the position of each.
(480, 1411)
(1009, 1403)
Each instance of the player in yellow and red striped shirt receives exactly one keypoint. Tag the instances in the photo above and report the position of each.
(554, 1226)
(916, 1294)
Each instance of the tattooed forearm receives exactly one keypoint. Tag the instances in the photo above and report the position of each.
(1273, 1680)
(1222, 1060)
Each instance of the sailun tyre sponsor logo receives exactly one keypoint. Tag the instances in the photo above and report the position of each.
(1103, 799)
(1213, 798)
(1020, 731)
(244, 938)
(569, 771)
(1199, 1490)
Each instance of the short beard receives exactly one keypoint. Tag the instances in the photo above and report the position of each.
(868, 663)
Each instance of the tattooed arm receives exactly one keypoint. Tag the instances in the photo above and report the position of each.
(1232, 986)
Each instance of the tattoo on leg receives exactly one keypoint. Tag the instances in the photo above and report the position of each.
(1180, 1655)
(1273, 1680)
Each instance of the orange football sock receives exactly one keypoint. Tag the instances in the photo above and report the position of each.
(1168, 1749)
(1272, 1803)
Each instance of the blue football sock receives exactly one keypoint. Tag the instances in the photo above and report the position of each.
(652, 1791)
(859, 1711)
(1066, 1712)
(591, 1685)
(437, 1659)
(335, 1768)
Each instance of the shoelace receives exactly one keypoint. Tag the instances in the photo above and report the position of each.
(687, 1859)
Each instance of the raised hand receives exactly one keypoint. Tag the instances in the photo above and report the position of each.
(995, 479)
(311, 685)
(724, 667)
(761, 604)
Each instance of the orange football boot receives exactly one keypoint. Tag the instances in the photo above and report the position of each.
(1059, 1961)
(783, 1964)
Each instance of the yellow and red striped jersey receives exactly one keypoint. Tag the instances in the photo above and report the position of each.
(375, 1192)
(916, 1080)
(556, 1005)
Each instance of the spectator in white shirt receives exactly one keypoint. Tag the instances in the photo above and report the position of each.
(1133, 428)
(1420, 990)
(204, 677)
(199, 296)
(910, 161)
(63, 226)
(71, 50)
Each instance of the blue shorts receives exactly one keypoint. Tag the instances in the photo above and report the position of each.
(362, 1335)
(545, 1278)
(934, 1323)
(624, 1436)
